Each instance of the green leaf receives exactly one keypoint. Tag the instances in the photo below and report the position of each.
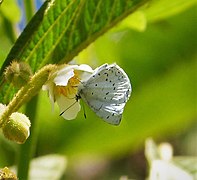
(156, 10)
(50, 166)
(162, 9)
(61, 29)
(187, 163)
(135, 21)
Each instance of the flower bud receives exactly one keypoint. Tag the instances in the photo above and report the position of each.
(17, 128)
(5, 173)
(18, 73)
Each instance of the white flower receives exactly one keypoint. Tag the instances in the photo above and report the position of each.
(62, 87)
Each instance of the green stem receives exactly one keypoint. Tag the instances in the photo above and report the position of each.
(27, 150)
(27, 92)
(29, 9)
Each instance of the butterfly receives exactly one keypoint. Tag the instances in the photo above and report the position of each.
(106, 92)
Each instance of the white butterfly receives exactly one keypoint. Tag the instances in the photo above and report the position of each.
(106, 91)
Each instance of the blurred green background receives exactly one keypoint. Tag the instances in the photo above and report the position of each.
(159, 55)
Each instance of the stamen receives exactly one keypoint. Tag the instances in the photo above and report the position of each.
(71, 88)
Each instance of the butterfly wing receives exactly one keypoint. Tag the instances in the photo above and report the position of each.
(106, 92)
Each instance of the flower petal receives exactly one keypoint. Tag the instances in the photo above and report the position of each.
(84, 67)
(64, 74)
(62, 79)
(64, 69)
(50, 88)
(84, 71)
(71, 106)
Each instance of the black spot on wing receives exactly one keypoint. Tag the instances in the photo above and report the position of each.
(106, 74)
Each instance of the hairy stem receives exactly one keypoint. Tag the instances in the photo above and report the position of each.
(27, 92)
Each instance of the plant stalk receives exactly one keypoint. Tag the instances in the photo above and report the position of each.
(27, 150)
(27, 92)
(29, 9)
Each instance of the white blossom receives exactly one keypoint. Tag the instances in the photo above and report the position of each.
(62, 87)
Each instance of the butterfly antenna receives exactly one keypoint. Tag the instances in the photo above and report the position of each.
(68, 108)
(84, 112)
